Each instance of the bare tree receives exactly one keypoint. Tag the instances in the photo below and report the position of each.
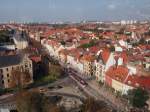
(90, 105)
(15, 79)
(19, 78)
(34, 102)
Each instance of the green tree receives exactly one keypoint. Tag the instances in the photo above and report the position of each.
(138, 97)
(63, 43)
(55, 70)
(128, 40)
(112, 48)
(88, 45)
(4, 36)
(142, 41)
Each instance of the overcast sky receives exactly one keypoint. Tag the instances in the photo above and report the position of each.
(73, 10)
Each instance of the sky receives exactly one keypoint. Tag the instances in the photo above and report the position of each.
(73, 10)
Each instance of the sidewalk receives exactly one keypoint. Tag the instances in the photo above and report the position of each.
(108, 95)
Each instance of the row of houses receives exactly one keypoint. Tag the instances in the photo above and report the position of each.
(112, 62)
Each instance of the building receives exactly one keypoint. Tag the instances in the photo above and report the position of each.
(7, 46)
(105, 59)
(20, 40)
(88, 62)
(122, 79)
(9, 63)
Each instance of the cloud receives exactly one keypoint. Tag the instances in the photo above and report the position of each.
(111, 6)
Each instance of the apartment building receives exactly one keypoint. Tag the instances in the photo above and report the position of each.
(10, 63)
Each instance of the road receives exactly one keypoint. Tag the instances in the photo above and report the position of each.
(91, 90)
(8, 101)
(88, 90)
(93, 93)
(99, 93)
(52, 93)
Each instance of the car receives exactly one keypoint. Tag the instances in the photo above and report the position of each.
(41, 90)
(59, 87)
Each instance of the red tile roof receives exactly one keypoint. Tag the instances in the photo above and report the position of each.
(88, 58)
(121, 74)
(36, 58)
(94, 49)
(85, 41)
(105, 55)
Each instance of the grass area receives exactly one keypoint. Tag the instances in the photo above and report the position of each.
(43, 81)
(54, 74)
(8, 90)
(46, 79)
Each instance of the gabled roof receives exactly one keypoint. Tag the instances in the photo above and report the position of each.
(10, 60)
(121, 74)
(105, 55)
(88, 58)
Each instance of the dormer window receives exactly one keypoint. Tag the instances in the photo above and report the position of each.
(129, 82)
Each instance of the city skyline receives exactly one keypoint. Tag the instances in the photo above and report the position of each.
(70, 10)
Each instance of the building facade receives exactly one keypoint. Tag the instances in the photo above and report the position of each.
(14, 62)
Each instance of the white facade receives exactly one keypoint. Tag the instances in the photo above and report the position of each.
(120, 87)
(102, 68)
(110, 62)
(100, 71)
(9, 47)
(20, 42)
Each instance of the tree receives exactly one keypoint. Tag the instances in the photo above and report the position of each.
(29, 101)
(15, 79)
(112, 48)
(88, 45)
(51, 108)
(142, 41)
(63, 43)
(4, 36)
(34, 102)
(138, 97)
(128, 40)
(19, 78)
(115, 36)
(90, 105)
(26, 77)
(55, 70)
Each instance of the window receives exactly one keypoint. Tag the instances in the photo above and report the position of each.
(8, 80)
(2, 77)
(12, 68)
(1, 70)
(2, 81)
(6, 69)
(8, 75)
(26, 65)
